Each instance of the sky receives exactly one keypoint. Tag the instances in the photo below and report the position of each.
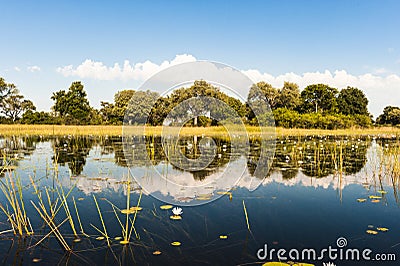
(116, 45)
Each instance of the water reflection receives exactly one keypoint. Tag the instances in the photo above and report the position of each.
(313, 156)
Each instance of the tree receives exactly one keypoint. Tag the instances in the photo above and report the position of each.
(352, 101)
(269, 92)
(6, 89)
(12, 103)
(73, 105)
(200, 88)
(140, 106)
(289, 96)
(390, 116)
(318, 98)
(121, 101)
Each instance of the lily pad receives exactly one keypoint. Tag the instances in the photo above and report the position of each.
(361, 200)
(383, 229)
(375, 197)
(275, 263)
(175, 217)
(156, 252)
(100, 238)
(375, 200)
(166, 207)
(131, 210)
(372, 232)
(176, 243)
(203, 198)
(117, 238)
(382, 191)
(223, 237)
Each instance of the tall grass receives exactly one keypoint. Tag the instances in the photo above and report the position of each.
(103, 130)
(15, 208)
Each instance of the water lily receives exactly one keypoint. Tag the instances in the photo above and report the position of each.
(177, 211)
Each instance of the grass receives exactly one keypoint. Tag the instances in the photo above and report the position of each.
(61, 130)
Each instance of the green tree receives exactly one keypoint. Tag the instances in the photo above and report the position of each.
(318, 98)
(73, 105)
(390, 116)
(352, 101)
(12, 103)
(269, 92)
(121, 101)
(140, 106)
(289, 96)
(6, 89)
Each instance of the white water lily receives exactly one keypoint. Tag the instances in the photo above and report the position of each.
(177, 211)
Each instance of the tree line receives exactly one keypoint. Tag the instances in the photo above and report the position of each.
(316, 106)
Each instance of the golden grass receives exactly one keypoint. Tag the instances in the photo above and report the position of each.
(60, 130)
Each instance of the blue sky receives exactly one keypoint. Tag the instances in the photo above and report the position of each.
(346, 42)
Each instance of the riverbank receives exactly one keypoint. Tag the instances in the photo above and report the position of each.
(103, 130)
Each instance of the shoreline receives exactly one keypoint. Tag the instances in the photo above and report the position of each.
(110, 130)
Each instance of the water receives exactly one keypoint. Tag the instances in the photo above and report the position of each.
(308, 200)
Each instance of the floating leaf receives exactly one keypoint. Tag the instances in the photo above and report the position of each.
(157, 252)
(203, 198)
(375, 201)
(131, 210)
(371, 232)
(383, 229)
(382, 191)
(81, 199)
(77, 240)
(176, 243)
(375, 197)
(370, 226)
(135, 208)
(124, 242)
(361, 200)
(175, 217)
(36, 260)
(275, 263)
(100, 238)
(117, 238)
(166, 207)
(223, 237)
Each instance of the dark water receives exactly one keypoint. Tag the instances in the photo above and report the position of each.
(307, 200)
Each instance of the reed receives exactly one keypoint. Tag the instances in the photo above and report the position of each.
(247, 217)
(104, 233)
(16, 214)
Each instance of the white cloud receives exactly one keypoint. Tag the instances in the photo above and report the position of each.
(17, 69)
(139, 71)
(33, 68)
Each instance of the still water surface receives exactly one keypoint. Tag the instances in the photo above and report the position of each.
(307, 200)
